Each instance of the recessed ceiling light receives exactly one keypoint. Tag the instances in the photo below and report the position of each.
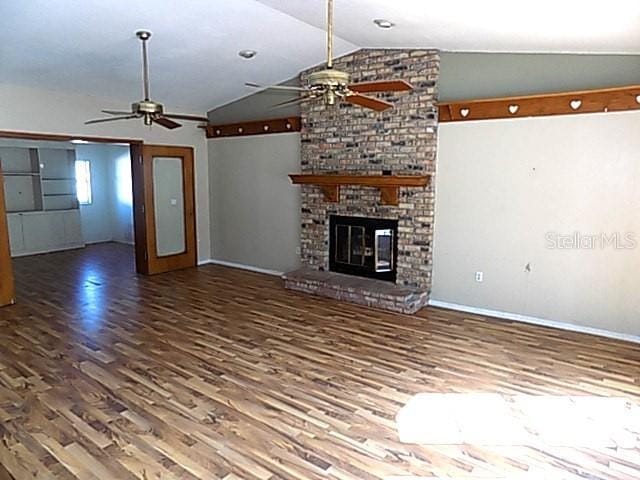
(382, 23)
(248, 54)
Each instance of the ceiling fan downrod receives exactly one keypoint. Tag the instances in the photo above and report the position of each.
(144, 36)
(330, 34)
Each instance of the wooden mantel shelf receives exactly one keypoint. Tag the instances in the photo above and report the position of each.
(389, 185)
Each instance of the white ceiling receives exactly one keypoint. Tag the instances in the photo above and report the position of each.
(577, 26)
(89, 46)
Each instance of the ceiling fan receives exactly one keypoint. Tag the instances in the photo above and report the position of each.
(151, 112)
(333, 85)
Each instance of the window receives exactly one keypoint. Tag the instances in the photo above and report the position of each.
(83, 181)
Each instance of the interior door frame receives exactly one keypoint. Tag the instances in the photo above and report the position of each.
(147, 261)
(7, 293)
(7, 288)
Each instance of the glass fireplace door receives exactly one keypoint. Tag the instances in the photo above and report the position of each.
(384, 250)
(363, 246)
(350, 248)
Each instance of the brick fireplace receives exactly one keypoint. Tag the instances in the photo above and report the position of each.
(347, 139)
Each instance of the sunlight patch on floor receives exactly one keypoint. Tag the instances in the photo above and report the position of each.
(526, 476)
(500, 420)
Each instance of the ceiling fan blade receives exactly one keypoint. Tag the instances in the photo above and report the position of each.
(382, 86)
(179, 116)
(295, 101)
(277, 87)
(110, 119)
(368, 102)
(116, 112)
(166, 123)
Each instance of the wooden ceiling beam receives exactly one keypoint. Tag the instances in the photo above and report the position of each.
(563, 103)
(259, 127)
(55, 137)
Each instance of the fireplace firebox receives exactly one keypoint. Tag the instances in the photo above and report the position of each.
(367, 247)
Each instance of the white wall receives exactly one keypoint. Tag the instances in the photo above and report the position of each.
(38, 111)
(513, 74)
(96, 217)
(121, 195)
(255, 208)
(110, 215)
(503, 185)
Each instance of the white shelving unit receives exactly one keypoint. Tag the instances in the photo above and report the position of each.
(22, 186)
(40, 197)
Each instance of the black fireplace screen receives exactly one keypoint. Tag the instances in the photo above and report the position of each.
(363, 246)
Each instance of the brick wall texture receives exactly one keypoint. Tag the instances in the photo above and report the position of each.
(402, 140)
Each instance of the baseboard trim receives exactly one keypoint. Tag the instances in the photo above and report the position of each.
(52, 250)
(241, 266)
(535, 321)
(96, 242)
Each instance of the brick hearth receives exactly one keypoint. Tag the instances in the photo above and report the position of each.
(363, 291)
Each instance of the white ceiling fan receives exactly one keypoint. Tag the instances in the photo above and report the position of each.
(333, 85)
(151, 112)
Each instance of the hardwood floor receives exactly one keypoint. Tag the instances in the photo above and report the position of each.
(220, 373)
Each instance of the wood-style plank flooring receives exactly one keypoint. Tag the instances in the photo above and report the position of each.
(216, 373)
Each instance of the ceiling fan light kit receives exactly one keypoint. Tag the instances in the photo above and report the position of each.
(150, 111)
(334, 86)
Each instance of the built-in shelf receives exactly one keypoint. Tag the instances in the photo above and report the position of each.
(23, 211)
(389, 185)
(39, 195)
(40, 212)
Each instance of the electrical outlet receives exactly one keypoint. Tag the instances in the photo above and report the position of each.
(298, 251)
(479, 276)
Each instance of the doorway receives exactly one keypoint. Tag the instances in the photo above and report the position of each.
(151, 189)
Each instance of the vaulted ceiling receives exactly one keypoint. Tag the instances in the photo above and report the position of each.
(89, 46)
